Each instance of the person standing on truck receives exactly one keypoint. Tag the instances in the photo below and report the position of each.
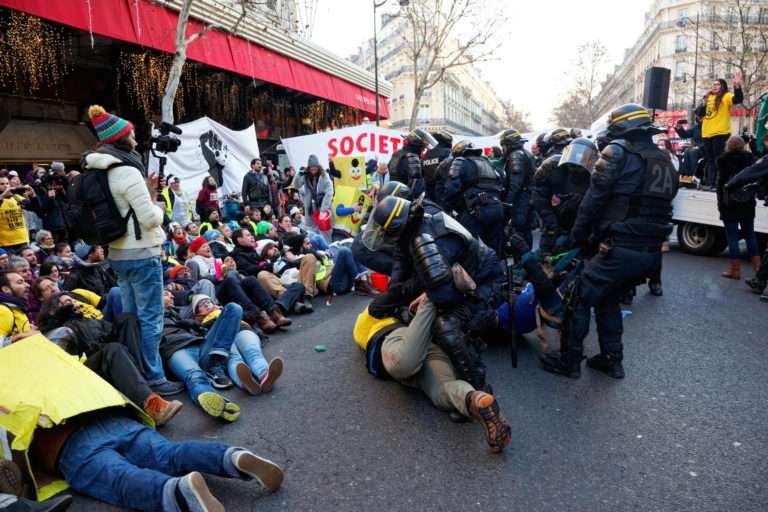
(716, 126)
(736, 207)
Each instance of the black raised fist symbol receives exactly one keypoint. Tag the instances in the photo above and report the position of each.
(215, 154)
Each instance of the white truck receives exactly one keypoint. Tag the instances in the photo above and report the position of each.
(699, 228)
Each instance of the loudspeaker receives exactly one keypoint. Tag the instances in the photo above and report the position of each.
(656, 90)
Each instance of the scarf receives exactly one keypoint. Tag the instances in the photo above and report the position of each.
(7, 298)
(130, 157)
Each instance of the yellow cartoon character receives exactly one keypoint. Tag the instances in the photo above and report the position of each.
(352, 169)
(349, 207)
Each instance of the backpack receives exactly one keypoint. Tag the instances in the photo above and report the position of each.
(93, 214)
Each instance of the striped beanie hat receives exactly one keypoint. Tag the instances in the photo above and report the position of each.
(109, 127)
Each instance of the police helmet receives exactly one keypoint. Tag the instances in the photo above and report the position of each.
(465, 148)
(580, 153)
(443, 138)
(387, 223)
(630, 117)
(511, 137)
(397, 189)
(541, 144)
(558, 137)
(602, 139)
(420, 138)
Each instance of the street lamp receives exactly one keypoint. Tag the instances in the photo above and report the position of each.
(376, 5)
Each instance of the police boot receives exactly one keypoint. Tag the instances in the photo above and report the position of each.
(567, 364)
(656, 289)
(756, 285)
(448, 336)
(609, 364)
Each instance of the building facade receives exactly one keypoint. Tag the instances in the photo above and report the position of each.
(699, 41)
(461, 102)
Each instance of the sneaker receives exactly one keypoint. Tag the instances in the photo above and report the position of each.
(764, 297)
(609, 365)
(192, 494)
(219, 407)
(485, 410)
(217, 374)
(756, 285)
(278, 318)
(247, 380)
(10, 478)
(274, 372)
(168, 388)
(656, 289)
(267, 473)
(161, 410)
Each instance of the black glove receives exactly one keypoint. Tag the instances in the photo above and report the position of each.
(517, 246)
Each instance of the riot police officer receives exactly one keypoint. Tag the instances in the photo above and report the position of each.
(432, 159)
(405, 165)
(455, 270)
(518, 181)
(628, 212)
(559, 186)
(539, 148)
(474, 191)
(555, 141)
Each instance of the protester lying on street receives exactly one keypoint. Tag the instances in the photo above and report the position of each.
(99, 444)
(246, 364)
(113, 351)
(407, 354)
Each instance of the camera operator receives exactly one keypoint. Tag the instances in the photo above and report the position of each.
(13, 228)
(52, 194)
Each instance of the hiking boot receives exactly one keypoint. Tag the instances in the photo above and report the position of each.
(734, 270)
(192, 494)
(656, 289)
(161, 410)
(485, 410)
(274, 372)
(10, 478)
(247, 381)
(217, 374)
(554, 363)
(219, 407)
(265, 324)
(609, 365)
(363, 287)
(56, 504)
(756, 285)
(264, 471)
(167, 388)
(280, 320)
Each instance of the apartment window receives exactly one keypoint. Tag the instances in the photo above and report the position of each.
(714, 44)
(763, 16)
(680, 71)
(681, 43)
(729, 70)
(711, 70)
(682, 16)
(731, 41)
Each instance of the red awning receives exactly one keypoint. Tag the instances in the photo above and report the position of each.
(155, 27)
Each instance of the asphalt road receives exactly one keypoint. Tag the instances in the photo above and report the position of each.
(687, 430)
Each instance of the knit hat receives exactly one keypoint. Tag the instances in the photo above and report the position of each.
(262, 228)
(294, 242)
(196, 244)
(2, 251)
(313, 161)
(262, 245)
(82, 249)
(109, 127)
(212, 234)
(178, 268)
(196, 299)
(57, 166)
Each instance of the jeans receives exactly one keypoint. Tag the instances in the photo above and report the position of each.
(247, 348)
(246, 291)
(318, 242)
(713, 148)
(734, 234)
(188, 363)
(114, 305)
(120, 461)
(113, 362)
(141, 286)
(344, 271)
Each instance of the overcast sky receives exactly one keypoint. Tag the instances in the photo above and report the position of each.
(539, 48)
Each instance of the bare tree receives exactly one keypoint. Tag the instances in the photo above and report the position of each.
(516, 118)
(182, 43)
(732, 42)
(579, 108)
(442, 35)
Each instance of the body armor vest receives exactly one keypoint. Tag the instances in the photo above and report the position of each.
(442, 225)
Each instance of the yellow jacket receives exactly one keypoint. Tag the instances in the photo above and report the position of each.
(13, 321)
(13, 230)
(367, 326)
(89, 303)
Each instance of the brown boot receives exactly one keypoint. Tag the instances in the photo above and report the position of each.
(755, 263)
(265, 324)
(280, 320)
(734, 272)
(160, 409)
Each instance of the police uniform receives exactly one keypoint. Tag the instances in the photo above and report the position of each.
(432, 160)
(628, 209)
(518, 182)
(405, 165)
(474, 191)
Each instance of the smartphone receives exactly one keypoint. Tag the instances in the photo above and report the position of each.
(19, 190)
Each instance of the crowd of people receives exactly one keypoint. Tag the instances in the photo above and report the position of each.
(186, 294)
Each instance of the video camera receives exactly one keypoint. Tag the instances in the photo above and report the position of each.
(165, 142)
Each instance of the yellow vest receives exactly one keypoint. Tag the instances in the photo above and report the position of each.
(366, 326)
(13, 321)
(13, 230)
